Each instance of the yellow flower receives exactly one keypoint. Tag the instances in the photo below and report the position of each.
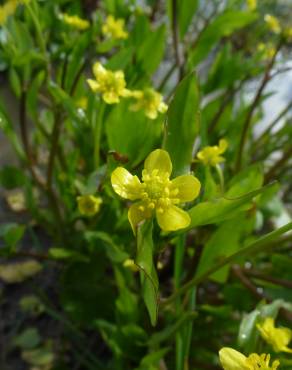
(211, 155)
(273, 23)
(110, 84)
(233, 360)
(278, 338)
(88, 205)
(150, 101)
(267, 50)
(114, 28)
(157, 193)
(251, 4)
(7, 10)
(76, 22)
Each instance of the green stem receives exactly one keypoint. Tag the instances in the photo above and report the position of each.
(260, 245)
(221, 177)
(178, 268)
(189, 329)
(253, 107)
(97, 133)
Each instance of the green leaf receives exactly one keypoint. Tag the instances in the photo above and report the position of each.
(63, 254)
(153, 359)
(224, 25)
(28, 339)
(144, 133)
(15, 82)
(223, 242)
(7, 127)
(114, 252)
(11, 177)
(218, 210)
(144, 259)
(12, 233)
(183, 124)
(249, 179)
(186, 12)
(151, 50)
(76, 59)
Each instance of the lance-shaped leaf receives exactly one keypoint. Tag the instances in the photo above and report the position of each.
(183, 124)
(218, 210)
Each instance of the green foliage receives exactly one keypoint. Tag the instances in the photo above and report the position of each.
(80, 99)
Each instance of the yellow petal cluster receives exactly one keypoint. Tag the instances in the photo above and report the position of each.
(89, 205)
(111, 84)
(273, 23)
(76, 22)
(211, 155)
(267, 50)
(114, 28)
(251, 4)
(233, 360)
(278, 338)
(156, 194)
(150, 101)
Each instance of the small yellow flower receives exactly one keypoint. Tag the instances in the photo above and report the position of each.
(111, 84)
(278, 338)
(88, 205)
(114, 28)
(211, 155)
(267, 50)
(150, 101)
(7, 10)
(76, 22)
(251, 4)
(273, 23)
(157, 193)
(233, 360)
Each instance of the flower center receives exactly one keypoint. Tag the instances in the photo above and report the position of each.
(262, 362)
(157, 190)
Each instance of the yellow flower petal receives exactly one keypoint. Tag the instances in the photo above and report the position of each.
(110, 97)
(278, 338)
(188, 187)
(98, 70)
(232, 360)
(125, 184)
(158, 160)
(162, 107)
(172, 218)
(151, 113)
(137, 213)
(94, 85)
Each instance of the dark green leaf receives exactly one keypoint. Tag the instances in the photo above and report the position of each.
(183, 124)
